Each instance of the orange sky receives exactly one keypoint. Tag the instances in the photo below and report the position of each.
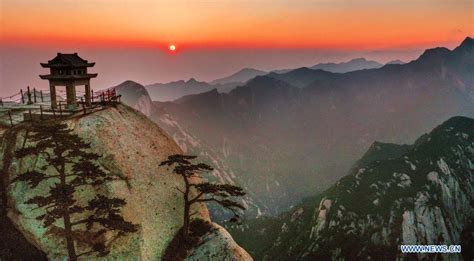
(334, 24)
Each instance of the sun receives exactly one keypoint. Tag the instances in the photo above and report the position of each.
(172, 47)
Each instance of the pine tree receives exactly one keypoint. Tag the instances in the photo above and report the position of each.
(204, 192)
(71, 165)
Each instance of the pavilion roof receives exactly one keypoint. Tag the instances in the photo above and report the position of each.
(68, 77)
(69, 60)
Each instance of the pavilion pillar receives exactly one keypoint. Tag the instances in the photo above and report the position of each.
(52, 93)
(71, 95)
(88, 94)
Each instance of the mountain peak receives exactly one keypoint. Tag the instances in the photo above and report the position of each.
(261, 79)
(466, 45)
(302, 70)
(129, 83)
(135, 95)
(265, 80)
(352, 65)
(247, 69)
(397, 61)
(192, 80)
(358, 60)
(381, 150)
(434, 54)
(468, 42)
(458, 122)
(241, 76)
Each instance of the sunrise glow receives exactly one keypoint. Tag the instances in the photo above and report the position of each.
(361, 24)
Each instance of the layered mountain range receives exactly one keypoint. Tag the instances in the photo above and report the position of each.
(177, 89)
(174, 90)
(395, 194)
(284, 136)
(240, 77)
(343, 67)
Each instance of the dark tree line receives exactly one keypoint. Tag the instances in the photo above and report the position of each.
(203, 192)
(70, 165)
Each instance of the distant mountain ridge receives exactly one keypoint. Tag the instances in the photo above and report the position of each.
(396, 62)
(170, 91)
(311, 124)
(342, 67)
(177, 89)
(308, 125)
(164, 92)
(241, 76)
(352, 65)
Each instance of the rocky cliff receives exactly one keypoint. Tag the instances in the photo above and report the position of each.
(136, 96)
(131, 147)
(394, 195)
(216, 245)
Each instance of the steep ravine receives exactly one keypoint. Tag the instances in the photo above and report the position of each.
(417, 194)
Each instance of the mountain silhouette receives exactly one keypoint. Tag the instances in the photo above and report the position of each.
(352, 65)
(241, 76)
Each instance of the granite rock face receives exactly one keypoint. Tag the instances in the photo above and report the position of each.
(419, 194)
(132, 148)
(136, 96)
(218, 245)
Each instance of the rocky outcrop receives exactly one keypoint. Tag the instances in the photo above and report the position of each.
(218, 245)
(132, 148)
(136, 96)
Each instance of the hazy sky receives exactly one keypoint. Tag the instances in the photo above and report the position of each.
(129, 39)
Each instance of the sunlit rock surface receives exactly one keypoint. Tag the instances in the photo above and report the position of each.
(136, 96)
(132, 148)
(218, 245)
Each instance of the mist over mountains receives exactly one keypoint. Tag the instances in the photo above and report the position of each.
(177, 89)
(285, 136)
(352, 65)
(173, 90)
(241, 76)
(343, 67)
(305, 144)
(290, 135)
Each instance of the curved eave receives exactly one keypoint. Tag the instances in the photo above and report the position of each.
(68, 77)
(48, 65)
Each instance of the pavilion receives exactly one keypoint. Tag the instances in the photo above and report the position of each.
(68, 70)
